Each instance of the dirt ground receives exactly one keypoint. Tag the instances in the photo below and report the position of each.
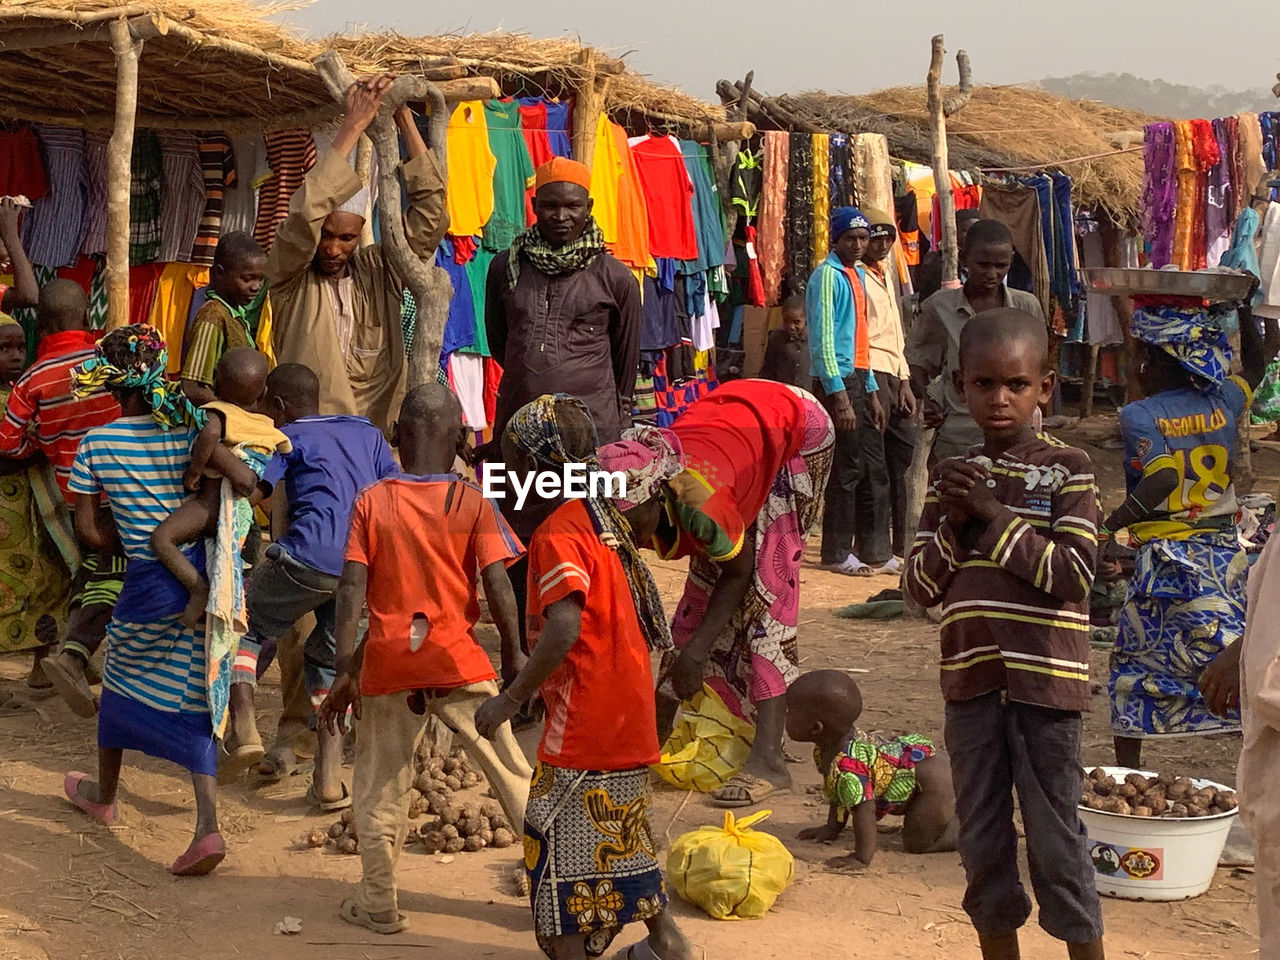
(73, 889)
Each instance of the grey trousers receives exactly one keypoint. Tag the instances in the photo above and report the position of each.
(997, 747)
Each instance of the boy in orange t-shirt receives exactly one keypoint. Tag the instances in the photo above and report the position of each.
(416, 543)
(594, 613)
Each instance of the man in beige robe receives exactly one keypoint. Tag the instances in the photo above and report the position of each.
(336, 305)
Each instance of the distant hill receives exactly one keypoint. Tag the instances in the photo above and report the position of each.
(1159, 97)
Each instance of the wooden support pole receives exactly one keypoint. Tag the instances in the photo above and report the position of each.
(588, 103)
(1090, 382)
(917, 482)
(127, 50)
(364, 170)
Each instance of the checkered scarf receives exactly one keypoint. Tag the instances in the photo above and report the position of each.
(554, 261)
(534, 430)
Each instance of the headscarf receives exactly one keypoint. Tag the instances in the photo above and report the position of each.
(143, 369)
(1192, 335)
(649, 456)
(554, 261)
(844, 219)
(6, 320)
(534, 430)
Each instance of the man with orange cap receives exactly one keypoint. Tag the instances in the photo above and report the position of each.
(562, 315)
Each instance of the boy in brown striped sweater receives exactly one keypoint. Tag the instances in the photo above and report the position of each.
(1007, 544)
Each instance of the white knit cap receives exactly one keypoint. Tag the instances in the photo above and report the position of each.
(358, 204)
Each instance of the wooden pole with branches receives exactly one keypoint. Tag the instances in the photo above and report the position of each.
(917, 481)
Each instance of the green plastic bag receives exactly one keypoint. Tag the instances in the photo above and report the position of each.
(731, 872)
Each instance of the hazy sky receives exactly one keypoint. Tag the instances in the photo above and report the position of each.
(851, 46)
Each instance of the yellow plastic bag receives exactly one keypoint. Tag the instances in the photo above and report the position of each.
(708, 746)
(734, 872)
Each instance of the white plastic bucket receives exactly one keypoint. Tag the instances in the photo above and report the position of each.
(1151, 858)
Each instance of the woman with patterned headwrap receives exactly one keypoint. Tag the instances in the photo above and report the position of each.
(155, 695)
(1186, 602)
(594, 616)
(35, 574)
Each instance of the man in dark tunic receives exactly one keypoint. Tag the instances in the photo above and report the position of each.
(562, 315)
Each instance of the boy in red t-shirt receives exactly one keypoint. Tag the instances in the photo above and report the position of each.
(417, 541)
(594, 614)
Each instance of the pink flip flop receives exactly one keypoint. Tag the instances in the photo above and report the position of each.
(102, 812)
(201, 857)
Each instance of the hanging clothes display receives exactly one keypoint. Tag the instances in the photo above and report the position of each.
(53, 229)
(95, 165)
(240, 199)
(22, 170)
(708, 214)
(1017, 206)
(632, 243)
(1185, 214)
(1100, 309)
(1249, 149)
(171, 305)
(511, 175)
(146, 177)
(1218, 217)
(771, 245)
(748, 182)
(840, 182)
(800, 225)
(218, 170)
(668, 194)
(460, 325)
(182, 198)
(290, 155)
(1159, 191)
(471, 169)
(820, 240)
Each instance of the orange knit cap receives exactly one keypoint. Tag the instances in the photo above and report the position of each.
(562, 170)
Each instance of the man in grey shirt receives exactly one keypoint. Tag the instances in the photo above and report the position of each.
(933, 351)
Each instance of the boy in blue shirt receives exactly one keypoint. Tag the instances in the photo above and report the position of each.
(333, 459)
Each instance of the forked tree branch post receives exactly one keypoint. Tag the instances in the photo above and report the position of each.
(917, 480)
(426, 280)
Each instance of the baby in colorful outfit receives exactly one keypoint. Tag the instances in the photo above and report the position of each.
(869, 777)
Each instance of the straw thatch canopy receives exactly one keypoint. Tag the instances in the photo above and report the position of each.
(216, 64)
(1000, 127)
(529, 66)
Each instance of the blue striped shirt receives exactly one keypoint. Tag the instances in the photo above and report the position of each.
(139, 465)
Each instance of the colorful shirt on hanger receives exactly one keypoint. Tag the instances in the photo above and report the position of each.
(668, 194)
(22, 170)
(218, 169)
(471, 169)
(511, 175)
(182, 199)
(144, 201)
(53, 229)
(290, 154)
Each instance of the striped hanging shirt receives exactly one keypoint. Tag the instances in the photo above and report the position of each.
(139, 465)
(44, 415)
(1015, 594)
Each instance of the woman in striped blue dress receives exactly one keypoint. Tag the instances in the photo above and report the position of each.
(154, 683)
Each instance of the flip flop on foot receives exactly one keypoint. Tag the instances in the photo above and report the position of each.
(201, 857)
(743, 790)
(892, 567)
(277, 763)
(328, 806)
(850, 566)
(357, 916)
(68, 676)
(237, 758)
(102, 812)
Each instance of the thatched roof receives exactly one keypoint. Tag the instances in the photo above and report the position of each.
(1000, 127)
(525, 65)
(217, 64)
(221, 64)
